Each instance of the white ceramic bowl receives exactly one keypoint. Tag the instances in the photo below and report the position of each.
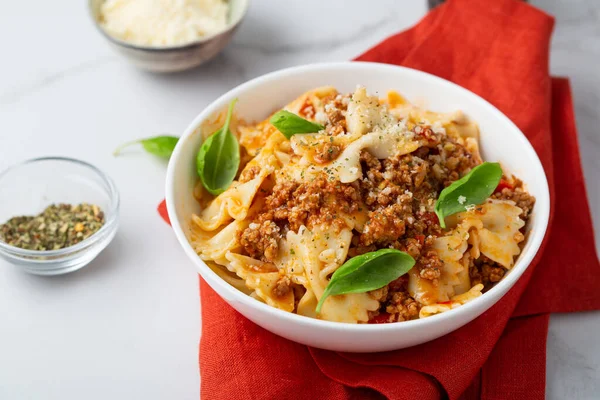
(501, 141)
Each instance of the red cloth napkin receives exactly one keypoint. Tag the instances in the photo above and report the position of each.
(499, 50)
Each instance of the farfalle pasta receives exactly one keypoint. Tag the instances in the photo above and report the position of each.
(367, 178)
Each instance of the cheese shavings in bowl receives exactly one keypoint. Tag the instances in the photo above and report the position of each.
(163, 23)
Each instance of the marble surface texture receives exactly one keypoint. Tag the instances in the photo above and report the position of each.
(127, 326)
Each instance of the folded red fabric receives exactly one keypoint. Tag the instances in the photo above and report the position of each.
(499, 50)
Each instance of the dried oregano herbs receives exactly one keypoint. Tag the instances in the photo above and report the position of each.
(59, 226)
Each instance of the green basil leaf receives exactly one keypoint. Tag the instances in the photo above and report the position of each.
(290, 124)
(367, 272)
(218, 159)
(161, 146)
(472, 189)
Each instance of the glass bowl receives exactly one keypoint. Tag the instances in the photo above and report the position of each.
(29, 187)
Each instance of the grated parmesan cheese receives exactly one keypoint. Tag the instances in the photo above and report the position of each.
(438, 128)
(388, 175)
(321, 117)
(163, 22)
(386, 191)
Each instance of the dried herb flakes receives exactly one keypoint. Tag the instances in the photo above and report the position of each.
(59, 226)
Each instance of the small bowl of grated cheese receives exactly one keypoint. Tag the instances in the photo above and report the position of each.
(168, 35)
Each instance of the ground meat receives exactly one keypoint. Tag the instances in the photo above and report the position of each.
(396, 304)
(281, 194)
(429, 265)
(522, 199)
(492, 273)
(411, 246)
(334, 130)
(399, 191)
(249, 173)
(282, 287)
(475, 275)
(335, 114)
(458, 160)
(335, 109)
(261, 240)
(403, 306)
(326, 153)
(485, 271)
(370, 161)
(383, 226)
(427, 133)
(310, 203)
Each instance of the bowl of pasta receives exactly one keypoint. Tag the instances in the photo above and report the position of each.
(357, 207)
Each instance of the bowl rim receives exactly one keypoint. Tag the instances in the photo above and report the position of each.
(470, 308)
(165, 49)
(109, 224)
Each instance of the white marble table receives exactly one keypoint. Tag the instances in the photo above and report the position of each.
(127, 326)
